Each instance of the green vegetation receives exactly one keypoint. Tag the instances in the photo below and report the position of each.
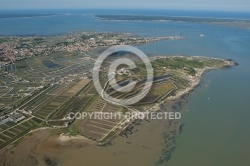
(47, 85)
(178, 63)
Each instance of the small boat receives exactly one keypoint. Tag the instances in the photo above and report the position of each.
(201, 35)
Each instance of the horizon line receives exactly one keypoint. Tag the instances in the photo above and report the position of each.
(90, 8)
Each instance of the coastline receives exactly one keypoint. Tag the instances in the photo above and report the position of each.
(74, 144)
(194, 82)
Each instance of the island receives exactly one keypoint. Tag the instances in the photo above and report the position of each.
(46, 78)
(237, 23)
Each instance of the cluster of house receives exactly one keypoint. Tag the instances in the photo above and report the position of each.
(13, 117)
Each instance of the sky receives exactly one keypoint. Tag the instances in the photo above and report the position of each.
(230, 5)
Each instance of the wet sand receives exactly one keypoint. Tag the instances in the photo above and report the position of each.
(24, 153)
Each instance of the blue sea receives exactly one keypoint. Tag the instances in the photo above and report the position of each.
(217, 125)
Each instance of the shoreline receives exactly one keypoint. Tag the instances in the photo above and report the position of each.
(169, 136)
(157, 106)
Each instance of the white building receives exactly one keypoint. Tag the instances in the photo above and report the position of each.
(16, 117)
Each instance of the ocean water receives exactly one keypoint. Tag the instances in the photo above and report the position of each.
(216, 118)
